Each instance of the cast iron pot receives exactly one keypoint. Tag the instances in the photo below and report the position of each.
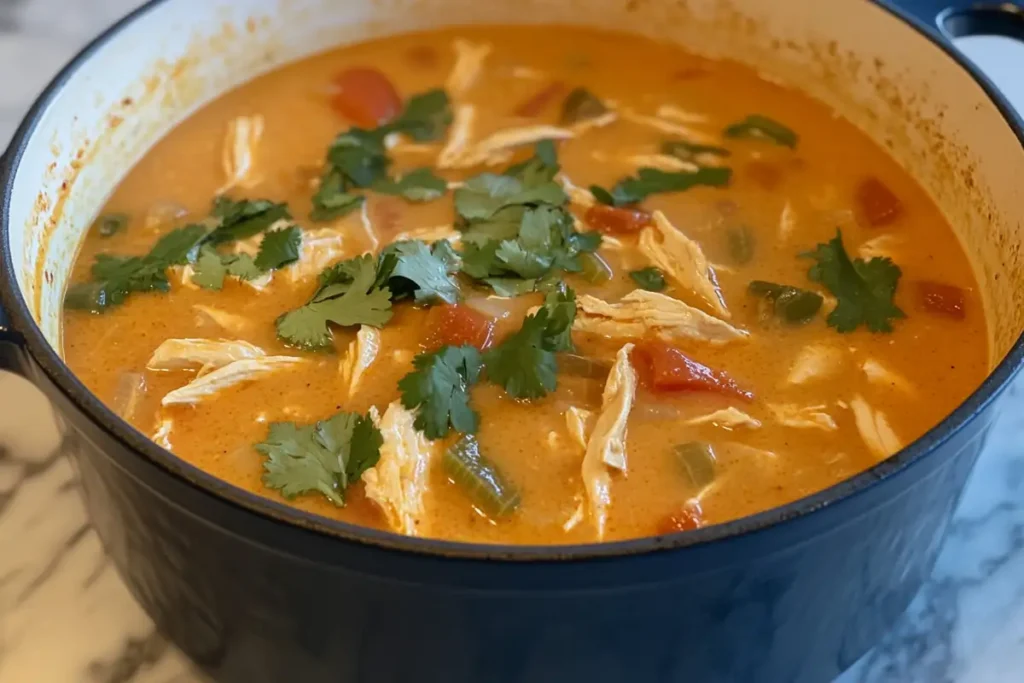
(255, 591)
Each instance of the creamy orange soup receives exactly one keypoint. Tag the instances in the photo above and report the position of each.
(684, 395)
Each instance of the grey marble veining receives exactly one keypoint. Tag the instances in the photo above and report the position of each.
(65, 616)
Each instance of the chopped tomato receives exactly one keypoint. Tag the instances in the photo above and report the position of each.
(423, 56)
(615, 220)
(663, 367)
(876, 203)
(365, 97)
(457, 325)
(689, 517)
(386, 213)
(536, 104)
(941, 298)
(765, 175)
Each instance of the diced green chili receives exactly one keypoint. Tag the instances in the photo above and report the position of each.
(741, 244)
(110, 224)
(759, 127)
(791, 304)
(595, 269)
(480, 478)
(698, 461)
(581, 105)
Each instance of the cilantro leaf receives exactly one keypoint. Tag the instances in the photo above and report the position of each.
(209, 269)
(420, 185)
(411, 269)
(243, 267)
(279, 248)
(863, 289)
(239, 220)
(326, 456)
(648, 181)
(758, 127)
(650, 278)
(115, 277)
(510, 286)
(524, 364)
(426, 116)
(348, 296)
(439, 389)
(359, 155)
(331, 200)
(483, 196)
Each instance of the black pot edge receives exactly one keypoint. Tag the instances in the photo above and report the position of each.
(50, 363)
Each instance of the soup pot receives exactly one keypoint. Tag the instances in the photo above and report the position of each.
(255, 591)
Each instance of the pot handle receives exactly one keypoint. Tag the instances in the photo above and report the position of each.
(949, 19)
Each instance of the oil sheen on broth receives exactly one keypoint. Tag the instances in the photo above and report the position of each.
(807, 398)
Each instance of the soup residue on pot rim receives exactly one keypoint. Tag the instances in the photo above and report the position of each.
(499, 284)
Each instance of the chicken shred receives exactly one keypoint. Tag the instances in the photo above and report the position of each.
(400, 479)
(184, 275)
(229, 375)
(787, 222)
(683, 259)
(162, 434)
(674, 128)
(606, 447)
(586, 125)
(432, 234)
(577, 420)
(885, 377)
(238, 156)
(803, 417)
(319, 249)
(727, 418)
(210, 354)
(496, 148)
(662, 162)
(874, 428)
(640, 313)
(469, 62)
(360, 355)
(459, 135)
(815, 363)
(674, 113)
(882, 246)
(579, 197)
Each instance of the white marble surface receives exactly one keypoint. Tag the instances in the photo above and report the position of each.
(65, 617)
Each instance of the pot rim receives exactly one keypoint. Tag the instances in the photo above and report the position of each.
(53, 366)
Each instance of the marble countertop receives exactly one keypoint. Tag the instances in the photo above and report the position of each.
(65, 616)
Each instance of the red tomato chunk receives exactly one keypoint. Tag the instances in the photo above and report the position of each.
(613, 220)
(937, 297)
(876, 203)
(456, 325)
(687, 518)
(663, 367)
(365, 97)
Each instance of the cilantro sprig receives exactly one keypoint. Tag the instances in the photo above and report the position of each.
(325, 457)
(361, 290)
(864, 290)
(438, 388)
(648, 181)
(278, 249)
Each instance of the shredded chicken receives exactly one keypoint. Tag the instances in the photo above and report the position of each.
(815, 363)
(232, 322)
(579, 197)
(497, 148)
(184, 275)
(803, 417)
(585, 125)
(674, 128)
(883, 376)
(469, 62)
(641, 313)
(209, 354)
(319, 249)
(606, 447)
(882, 246)
(787, 222)
(459, 135)
(433, 234)
(361, 353)
(874, 428)
(727, 418)
(229, 375)
(238, 156)
(371, 234)
(162, 435)
(662, 162)
(674, 113)
(577, 420)
(399, 480)
(577, 516)
(682, 259)
(528, 73)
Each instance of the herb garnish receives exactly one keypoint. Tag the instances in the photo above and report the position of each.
(790, 304)
(650, 278)
(420, 185)
(439, 389)
(648, 181)
(863, 289)
(327, 456)
(759, 127)
(689, 151)
(278, 249)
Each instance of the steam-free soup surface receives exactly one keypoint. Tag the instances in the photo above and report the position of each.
(799, 397)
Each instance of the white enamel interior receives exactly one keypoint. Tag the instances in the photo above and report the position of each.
(882, 74)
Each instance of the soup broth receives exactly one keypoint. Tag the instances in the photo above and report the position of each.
(774, 305)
